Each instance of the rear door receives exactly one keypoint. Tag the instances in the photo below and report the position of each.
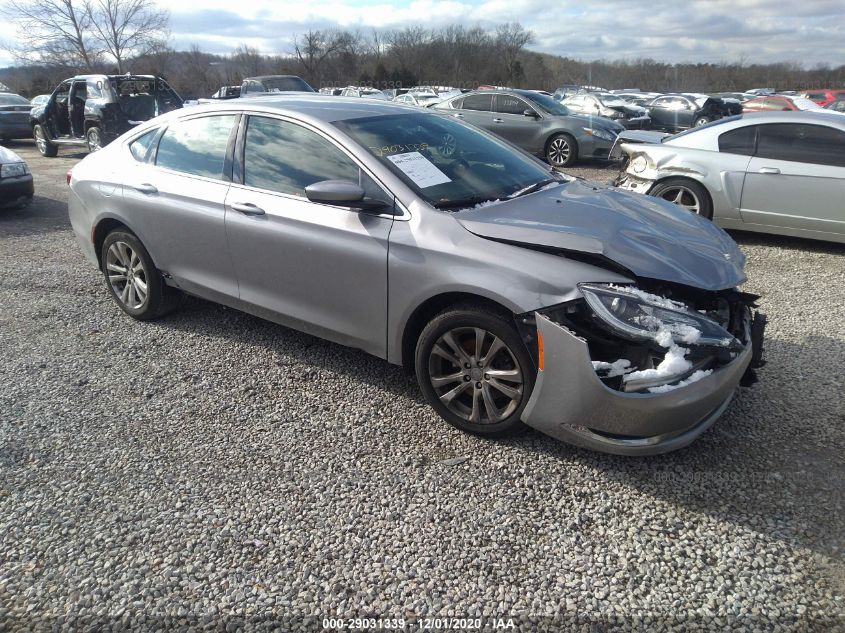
(510, 122)
(175, 202)
(796, 180)
(478, 110)
(316, 267)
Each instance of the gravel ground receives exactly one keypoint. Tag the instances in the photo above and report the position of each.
(215, 469)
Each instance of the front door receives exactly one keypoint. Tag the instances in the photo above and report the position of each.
(76, 108)
(796, 180)
(318, 268)
(477, 109)
(510, 122)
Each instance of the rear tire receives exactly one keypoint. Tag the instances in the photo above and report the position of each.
(702, 120)
(132, 278)
(685, 193)
(94, 139)
(474, 370)
(43, 143)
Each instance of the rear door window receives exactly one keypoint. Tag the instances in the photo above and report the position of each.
(141, 145)
(483, 103)
(801, 143)
(508, 104)
(196, 146)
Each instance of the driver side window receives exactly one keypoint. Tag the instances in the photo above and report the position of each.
(285, 157)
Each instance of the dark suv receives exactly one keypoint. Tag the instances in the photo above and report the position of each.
(93, 110)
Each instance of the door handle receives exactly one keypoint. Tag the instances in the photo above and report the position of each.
(247, 208)
(497, 120)
(769, 170)
(145, 188)
(458, 116)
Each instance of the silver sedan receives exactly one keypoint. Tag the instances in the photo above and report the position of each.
(778, 172)
(516, 294)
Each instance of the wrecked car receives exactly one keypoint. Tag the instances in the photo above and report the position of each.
(93, 110)
(772, 172)
(676, 112)
(516, 294)
(273, 84)
(610, 106)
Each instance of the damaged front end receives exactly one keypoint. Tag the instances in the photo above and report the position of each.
(632, 371)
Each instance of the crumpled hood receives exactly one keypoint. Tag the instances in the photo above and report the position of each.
(590, 120)
(650, 237)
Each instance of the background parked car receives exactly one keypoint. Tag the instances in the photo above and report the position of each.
(14, 116)
(836, 106)
(642, 99)
(779, 103)
(271, 84)
(93, 110)
(536, 123)
(676, 112)
(227, 92)
(16, 187)
(610, 106)
(742, 97)
(366, 93)
(422, 99)
(773, 172)
(822, 97)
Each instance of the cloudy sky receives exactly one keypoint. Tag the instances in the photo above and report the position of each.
(807, 32)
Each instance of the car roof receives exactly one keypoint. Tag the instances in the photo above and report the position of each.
(313, 105)
(124, 76)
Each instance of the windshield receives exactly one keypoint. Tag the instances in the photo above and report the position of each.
(447, 163)
(610, 100)
(13, 100)
(805, 104)
(281, 84)
(547, 104)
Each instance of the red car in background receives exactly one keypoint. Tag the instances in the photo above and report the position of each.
(779, 103)
(823, 97)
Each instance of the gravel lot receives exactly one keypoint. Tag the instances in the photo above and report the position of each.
(215, 469)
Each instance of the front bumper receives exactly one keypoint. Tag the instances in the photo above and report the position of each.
(570, 403)
(15, 129)
(16, 191)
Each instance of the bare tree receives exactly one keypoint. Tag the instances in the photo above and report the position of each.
(55, 32)
(126, 28)
(312, 50)
(511, 38)
(248, 61)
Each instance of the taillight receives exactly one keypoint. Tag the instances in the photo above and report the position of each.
(69, 176)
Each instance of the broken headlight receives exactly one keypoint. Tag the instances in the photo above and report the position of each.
(637, 315)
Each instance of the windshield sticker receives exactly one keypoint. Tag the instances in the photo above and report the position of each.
(386, 150)
(419, 169)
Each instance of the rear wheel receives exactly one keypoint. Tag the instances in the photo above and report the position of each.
(685, 193)
(702, 120)
(561, 150)
(45, 147)
(94, 139)
(475, 371)
(133, 280)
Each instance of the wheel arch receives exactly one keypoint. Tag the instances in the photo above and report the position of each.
(101, 229)
(663, 178)
(561, 132)
(433, 306)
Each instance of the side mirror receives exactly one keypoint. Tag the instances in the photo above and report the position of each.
(529, 113)
(342, 193)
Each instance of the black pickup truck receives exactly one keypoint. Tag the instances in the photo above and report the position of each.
(93, 110)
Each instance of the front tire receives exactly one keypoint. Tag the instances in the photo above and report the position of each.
(561, 150)
(474, 370)
(43, 143)
(132, 278)
(685, 193)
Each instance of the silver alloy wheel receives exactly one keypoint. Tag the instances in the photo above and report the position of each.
(683, 197)
(40, 140)
(559, 151)
(448, 145)
(702, 121)
(93, 137)
(475, 375)
(127, 275)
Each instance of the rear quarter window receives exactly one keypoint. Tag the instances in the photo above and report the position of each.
(742, 140)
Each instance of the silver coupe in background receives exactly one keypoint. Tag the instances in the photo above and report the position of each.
(516, 294)
(772, 172)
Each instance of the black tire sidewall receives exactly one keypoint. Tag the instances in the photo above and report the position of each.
(573, 150)
(499, 326)
(704, 205)
(155, 286)
(51, 149)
